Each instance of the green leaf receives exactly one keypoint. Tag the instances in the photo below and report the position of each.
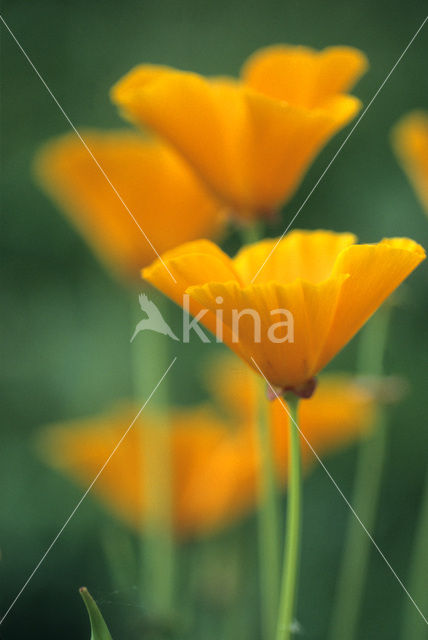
(98, 626)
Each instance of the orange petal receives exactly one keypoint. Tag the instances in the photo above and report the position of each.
(190, 264)
(410, 138)
(250, 149)
(374, 271)
(303, 76)
(339, 412)
(234, 387)
(309, 255)
(283, 140)
(204, 121)
(336, 415)
(80, 448)
(157, 188)
(127, 486)
(250, 313)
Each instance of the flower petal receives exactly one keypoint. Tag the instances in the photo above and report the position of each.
(250, 149)
(203, 120)
(309, 255)
(194, 263)
(282, 141)
(410, 138)
(80, 448)
(157, 188)
(337, 413)
(375, 271)
(287, 354)
(303, 76)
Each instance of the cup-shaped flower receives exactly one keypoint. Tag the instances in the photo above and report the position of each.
(79, 448)
(251, 140)
(339, 413)
(289, 318)
(215, 460)
(146, 200)
(410, 139)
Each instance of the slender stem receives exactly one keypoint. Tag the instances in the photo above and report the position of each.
(120, 555)
(292, 537)
(268, 523)
(268, 519)
(150, 359)
(251, 232)
(370, 462)
(413, 625)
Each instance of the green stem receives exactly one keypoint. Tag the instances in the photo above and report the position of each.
(267, 522)
(252, 232)
(150, 360)
(370, 462)
(120, 555)
(292, 537)
(413, 625)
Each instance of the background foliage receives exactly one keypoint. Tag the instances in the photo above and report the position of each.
(66, 322)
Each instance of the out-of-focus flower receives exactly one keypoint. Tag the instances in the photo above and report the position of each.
(339, 413)
(215, 460)
(166, 199)
(251, 140)
(81, 447)
(410, 139)
(327, 285)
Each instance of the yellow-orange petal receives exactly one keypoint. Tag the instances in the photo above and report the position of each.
(215, 465)
(280, 329)
(204, 121)
(303, 76)
(337, 415)
(250, 149)
(339, 412)
(288, 329)
(191, 264)
(410, 139)
(127, 487)
(374, 272)
(234, 388)
(226, 489)
(309, 255)
(167, 201)
(283, 141)
(79, 449)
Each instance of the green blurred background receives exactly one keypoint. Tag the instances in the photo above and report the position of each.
(66, 322)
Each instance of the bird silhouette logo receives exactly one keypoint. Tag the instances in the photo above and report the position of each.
(154, 320)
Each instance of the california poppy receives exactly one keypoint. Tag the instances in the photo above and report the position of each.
(251, 140)
(410, 138)
(168, 203)
(340, 412)
(215, 460)
(326, 286)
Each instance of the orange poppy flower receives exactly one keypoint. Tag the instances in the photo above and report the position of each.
(410, 138)
(168, 203)
(215, 461)
(251, 140)
(341, 411)
(80, 448)
(324, 284)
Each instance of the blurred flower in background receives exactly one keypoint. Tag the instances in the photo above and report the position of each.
(410, 139)
(251, 140)
(215, 455)
(148, 181)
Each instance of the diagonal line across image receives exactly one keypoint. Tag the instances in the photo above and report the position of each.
(363, 113)
(85, 494)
